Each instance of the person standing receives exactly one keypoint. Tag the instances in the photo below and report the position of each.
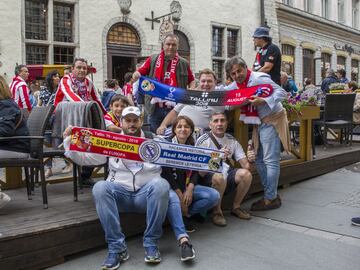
(269, 134)
(268, 58)
(168, 68)
(76, 87)
(19, 89)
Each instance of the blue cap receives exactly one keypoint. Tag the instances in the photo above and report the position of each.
(261, 32)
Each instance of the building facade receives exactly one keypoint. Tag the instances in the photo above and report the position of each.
(114, 35)
(318, 34)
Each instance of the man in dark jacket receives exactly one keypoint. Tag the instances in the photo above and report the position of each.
(330, 78)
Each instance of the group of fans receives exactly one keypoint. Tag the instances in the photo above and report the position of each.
(178, 194)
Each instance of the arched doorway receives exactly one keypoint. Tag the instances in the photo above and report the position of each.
(123, 47)
(184, 45)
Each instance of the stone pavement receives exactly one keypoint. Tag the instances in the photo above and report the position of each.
(312, 230)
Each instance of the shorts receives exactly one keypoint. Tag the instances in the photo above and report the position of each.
(230, 180)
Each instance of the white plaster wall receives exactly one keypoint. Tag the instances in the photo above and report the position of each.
(10, 37)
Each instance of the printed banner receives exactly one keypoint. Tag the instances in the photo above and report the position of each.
(146, 150)
(202, 98)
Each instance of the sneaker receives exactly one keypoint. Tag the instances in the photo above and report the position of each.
(4, 199)
(261, 206)
(239, 213)
(88, 182)
(219, 220)
(152, 255)
(189, 227)
(48, 173)
(67, 169)
(355, 221)
(187, 251)
(113, 260)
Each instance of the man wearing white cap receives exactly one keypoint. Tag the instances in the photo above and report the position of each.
(133, 186)
(268, 58)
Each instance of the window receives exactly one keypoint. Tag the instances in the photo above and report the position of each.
(325, 12)
(217, 41)
(218, 67)
(40, 47)
(341, 11)
(354, 70)
(225, 44)
(287, 59)
(288, 2)
(36, 54)
(340, 62)
(36, 19)
(355, 14)
(325, 64)
(63, 23)
(308, 64)
(63, 55)
(232, 37)
(308, 6)
(121, 34)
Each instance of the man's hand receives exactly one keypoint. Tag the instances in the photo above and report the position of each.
(251, 155)
(136, 75)
(226, 151)
(161, 130)
(67, 131)
(255, 101)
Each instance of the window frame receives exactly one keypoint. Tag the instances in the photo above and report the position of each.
(219, 59)
(50, 42)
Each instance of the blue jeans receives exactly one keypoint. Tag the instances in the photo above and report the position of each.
(204, 198)
(157, 117)
(112, 198)
(268, 160)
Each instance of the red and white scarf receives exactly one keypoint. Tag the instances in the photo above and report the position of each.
(168, 77)
(249, 114)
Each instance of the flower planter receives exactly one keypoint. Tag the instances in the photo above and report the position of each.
(306, 113)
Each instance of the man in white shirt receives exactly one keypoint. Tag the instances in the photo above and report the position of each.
(133, 186)
(231, 178)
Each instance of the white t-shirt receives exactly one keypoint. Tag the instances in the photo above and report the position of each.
(228, 140)
(199, 114)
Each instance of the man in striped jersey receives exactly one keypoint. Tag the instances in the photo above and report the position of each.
(76, 87)
(19, 90)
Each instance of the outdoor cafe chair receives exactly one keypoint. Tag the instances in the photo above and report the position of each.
(82, 114)
(36, 124)
(338, 114)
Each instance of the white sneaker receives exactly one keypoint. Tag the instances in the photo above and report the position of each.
(67, 168)
(4, 199)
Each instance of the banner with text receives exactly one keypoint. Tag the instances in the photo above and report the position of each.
(202, 98)
(146, 150)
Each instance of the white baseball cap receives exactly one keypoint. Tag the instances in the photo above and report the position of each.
(131, 110)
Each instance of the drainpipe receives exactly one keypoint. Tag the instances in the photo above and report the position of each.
(262, 13)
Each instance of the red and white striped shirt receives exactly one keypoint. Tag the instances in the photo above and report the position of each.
(73, 90)
(20, 93)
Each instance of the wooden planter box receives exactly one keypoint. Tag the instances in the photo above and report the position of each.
(307, 113)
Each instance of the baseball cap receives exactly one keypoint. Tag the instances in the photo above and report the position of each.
(131, 110)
